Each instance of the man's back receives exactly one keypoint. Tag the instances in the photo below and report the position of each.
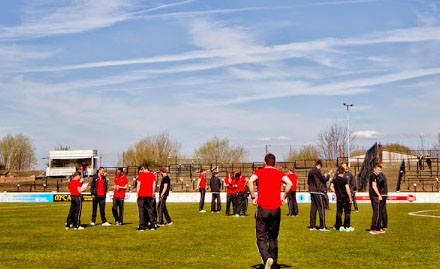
(269, 187)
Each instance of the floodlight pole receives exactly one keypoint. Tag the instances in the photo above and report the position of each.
(348, 132)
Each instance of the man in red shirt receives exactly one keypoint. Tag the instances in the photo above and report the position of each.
(146, 185)
(121, 184)
(231, 193)
(98, 189)
(291, 199)
(201, 186)
(74, 217)
(241, 196)
(268, 214)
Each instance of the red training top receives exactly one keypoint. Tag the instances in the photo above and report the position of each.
(202, 184)
(294, 178)
(269, 187)
(242, 184)
(100, 191)
(146, 179)
(73, 187)
(231, 189)
(120, 181)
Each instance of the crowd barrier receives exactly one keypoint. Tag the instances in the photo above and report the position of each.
(194, 197)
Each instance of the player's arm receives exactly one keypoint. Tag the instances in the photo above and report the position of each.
(376, 190)
(286, 180)
(138, 186)
(154, 188)
(347, 188)
(165, 187)
(332, 187)
(251, 188)
(79, 190)
(125, 186)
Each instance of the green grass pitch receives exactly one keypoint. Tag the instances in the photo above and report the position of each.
(33, 236)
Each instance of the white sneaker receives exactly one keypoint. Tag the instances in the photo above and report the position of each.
(106, 224)
(170, 223)
(80, 228)
(324, 230)
(269, 263)
(67, 228)
(92, 224)
(236, 215)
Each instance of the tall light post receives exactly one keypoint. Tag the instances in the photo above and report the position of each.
(267, 149)
(348, 132)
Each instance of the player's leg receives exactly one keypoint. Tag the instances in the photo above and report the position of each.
(274, 229)
(347, 215)
(262, 233)
(339, 209)
(313, 209)
(102, 209)
(115, 209)
(295, 203)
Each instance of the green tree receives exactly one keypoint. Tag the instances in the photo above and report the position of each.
(398, 148)
(17, 152)
(153, 150)
(217, 150)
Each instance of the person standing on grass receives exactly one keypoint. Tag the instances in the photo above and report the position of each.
(291, 199)
(215, 185)
(74, 216)
(376, 199)
(146, 184)
(352, 183)
(268, 214)
(98, 189)
(340, 186)
(317, 188)
(121, 185)
(241, 196)
(231, 193)
(164, 191)
(383, 189)
(201, 187)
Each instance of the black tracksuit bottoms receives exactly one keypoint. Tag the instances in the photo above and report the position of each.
(74, 216)
(216, 201)
(163, 211)
(202, 199)
(231, 198)
(317, 205)
(346, 207)
(146, 211)
(101, 201)
(118, 203)
(383, 212)
(292, 203)
(267, 227)
(375, 220)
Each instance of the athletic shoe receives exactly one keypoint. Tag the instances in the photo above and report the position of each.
(356, 211)
(71, 226)
(160, 224)
(349, 229)
(212, 211)
(227, 214)
(236, 215)
(373, 232)
(140, 229)
(170, 223)
(381, 231)
(116, 223)
(106, 224)
(153, 229)
(218, 212)
(79, 228)
(385, 229)
(342, 229)
(67, 227)
(202, 211)
(269, 263)
(324, 229)
(295, 215)
(92, 224)
(311, 228)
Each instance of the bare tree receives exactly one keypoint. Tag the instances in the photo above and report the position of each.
(17, 152)
(309, 152)
(332, 141)
(217, 150)
(153, 150)
(422, 143)
(61, 147)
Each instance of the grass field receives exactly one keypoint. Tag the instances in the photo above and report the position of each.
(33, 236)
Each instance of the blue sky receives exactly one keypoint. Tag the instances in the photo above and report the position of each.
(103, 74)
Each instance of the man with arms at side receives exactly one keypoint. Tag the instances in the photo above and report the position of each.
(375, 198)
(383, 189)
(164, 191)
(317, 188)
(352, 183)
(74, 217)
(121, 185)
(241, 196)
(231, 193)
(268, 214)
(98, 189)
(291, 199)
(201, 187)
(341, 188)
(215, 185)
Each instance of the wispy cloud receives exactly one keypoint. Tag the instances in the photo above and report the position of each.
(367, 134)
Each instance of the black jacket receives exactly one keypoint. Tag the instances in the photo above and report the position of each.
(94, 185)
(316, 181)
(215, 184)
(351, 181)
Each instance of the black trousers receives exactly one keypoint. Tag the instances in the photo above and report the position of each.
(216, 201)
(353, 198)
(267, 227)
(346, 207)
(163, 211)
(74, 216)
(154, 207)
(245, 206)
(326, 201)
(118, 203)
(231, 198)
(383, 212)
(375, 220)
(202, 199)
(146, 211)
(101, 201)
(317, 205)
(292, 203)
(241, 203)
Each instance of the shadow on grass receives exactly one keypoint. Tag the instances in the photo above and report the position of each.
(261, 266)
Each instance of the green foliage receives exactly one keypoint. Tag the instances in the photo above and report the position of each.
(217, 150)
(17, 152)
(212, 240)
(398, 148)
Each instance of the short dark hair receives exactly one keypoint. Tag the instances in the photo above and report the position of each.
(291, 169)
(145, 166)
(76, 174)
(318, 162)
(270, 159)
(202, 170)
(378, 165)
(120, 169)
(100, 168)
(163, 170)
(139, 168)
(341, 170)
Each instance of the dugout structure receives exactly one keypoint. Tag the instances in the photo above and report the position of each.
(371, 158)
